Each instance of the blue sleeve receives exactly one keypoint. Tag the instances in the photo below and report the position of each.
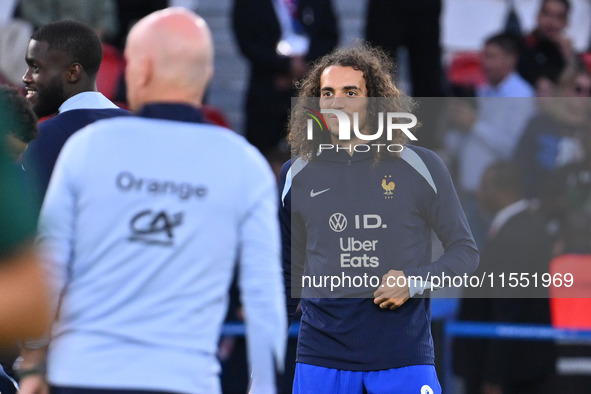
(285, 225)
(40, 156)
(445, 214)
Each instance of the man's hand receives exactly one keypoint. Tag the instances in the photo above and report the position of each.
(33, 384)
(390, 295)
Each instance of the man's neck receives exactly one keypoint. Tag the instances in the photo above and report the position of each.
(499, 82)
(78, 91)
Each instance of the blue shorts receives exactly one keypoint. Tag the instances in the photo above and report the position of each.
(415, 379)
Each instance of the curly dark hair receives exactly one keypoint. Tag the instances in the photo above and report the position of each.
(378, 71)
(16, 115)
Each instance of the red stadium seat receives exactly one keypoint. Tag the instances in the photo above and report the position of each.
(214, 115)
(586, 56)
(465, 69)
(570, 307)
(110, 71)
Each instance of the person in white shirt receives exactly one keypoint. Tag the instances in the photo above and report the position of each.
(143, 222)
(491, 131)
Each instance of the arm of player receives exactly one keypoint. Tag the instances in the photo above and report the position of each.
(260, 281)
(443, 211)
(33, 381)
(293, 243)
(57, 221)
(56, 240)
(24, 302)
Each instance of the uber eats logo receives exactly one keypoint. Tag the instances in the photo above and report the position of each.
(354, 250)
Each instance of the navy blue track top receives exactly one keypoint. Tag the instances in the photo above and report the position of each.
(345, 215)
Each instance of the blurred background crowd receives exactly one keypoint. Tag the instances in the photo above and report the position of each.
(503, 88)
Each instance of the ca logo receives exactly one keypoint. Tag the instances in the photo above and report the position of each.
(426, 389)
(156, 228)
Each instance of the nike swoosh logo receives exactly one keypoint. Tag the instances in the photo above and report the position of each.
(314, 194)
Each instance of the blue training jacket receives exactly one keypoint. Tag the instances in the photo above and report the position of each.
(42, 153)
(345, 217)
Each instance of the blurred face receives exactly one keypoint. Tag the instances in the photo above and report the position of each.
(545, 88)
(579, 92)
(545, 93)
(45, 77)
(496, 63)
(581, 86)
(343, 88)
(552, 19)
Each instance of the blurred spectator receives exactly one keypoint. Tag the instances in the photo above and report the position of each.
(14, 36)
(7, 11)
(499, 59)
(19, 125)
(545, 93)
(414, 25)
(24, 305)
(279, 38)
(566, 203)
(516, 243)
(566, 200)
(489, 130)
(188, 4)
(550, 139)
(101, 16)
(547, 49)
(129, 12)
(63, 59)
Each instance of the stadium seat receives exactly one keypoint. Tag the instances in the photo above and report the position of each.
(110, 71)
(586, 56)
(214, 115)
(465, 69)
(570, 307)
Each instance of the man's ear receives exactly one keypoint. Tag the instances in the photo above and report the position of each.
(74, 73)
(145, 71)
